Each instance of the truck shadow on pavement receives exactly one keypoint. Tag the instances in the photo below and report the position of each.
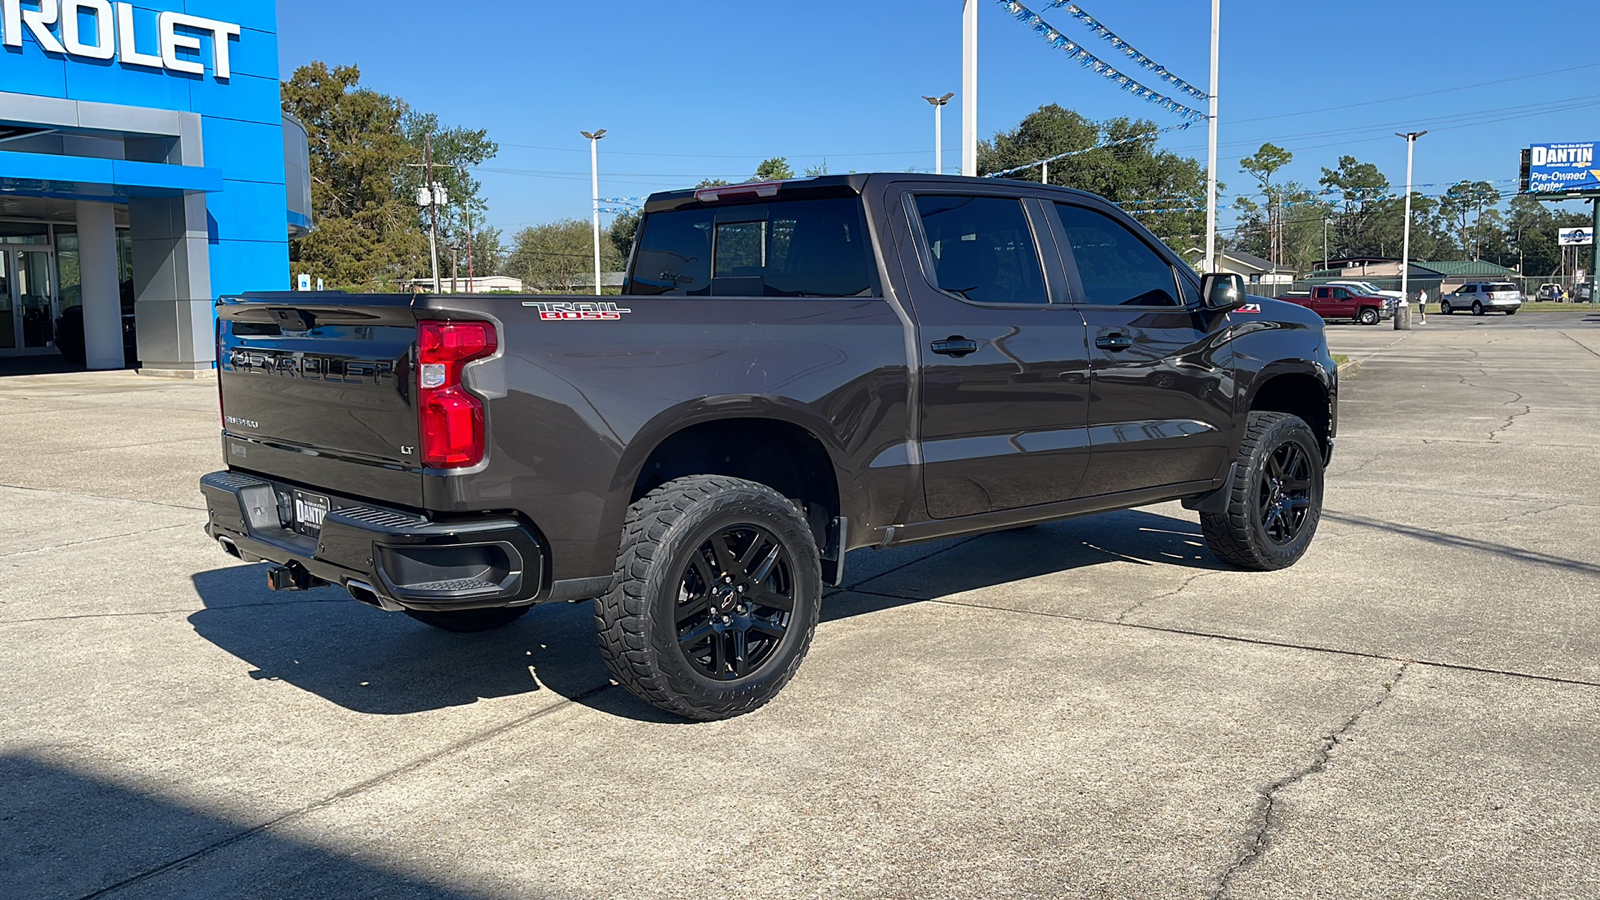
(71, 834)
(382, 663)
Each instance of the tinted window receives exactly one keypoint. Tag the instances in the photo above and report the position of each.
(1115, 266)
(1502, 286)
(797, 248)
(982, 248)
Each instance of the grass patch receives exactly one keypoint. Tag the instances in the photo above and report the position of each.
(1339, 359)
(1549, 306)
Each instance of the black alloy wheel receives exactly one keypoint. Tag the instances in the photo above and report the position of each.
(1283, 493)
(1273, 495)
(735, 602)
(715, 598)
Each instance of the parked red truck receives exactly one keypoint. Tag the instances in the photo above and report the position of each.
(1340, 303)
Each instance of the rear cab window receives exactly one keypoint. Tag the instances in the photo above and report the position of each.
(785, 248)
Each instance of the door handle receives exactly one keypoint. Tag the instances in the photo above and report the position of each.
(1114, 342)
(956, 346)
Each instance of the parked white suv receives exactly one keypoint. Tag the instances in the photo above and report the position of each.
(1482, 297)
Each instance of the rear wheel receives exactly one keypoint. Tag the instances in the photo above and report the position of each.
(1477, 307)
(469, 621)
(1274, 496)
(715, 599)
(1511, 312)
(1368, 316)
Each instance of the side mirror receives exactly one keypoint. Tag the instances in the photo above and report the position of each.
(1222, 293)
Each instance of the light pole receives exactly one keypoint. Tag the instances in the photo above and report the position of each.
(969, 88)
(594, 171)
(938, 130)
(1405, 254)
(1211, 158)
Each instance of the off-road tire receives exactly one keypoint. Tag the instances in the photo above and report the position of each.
(637, 620)
(1239, 536)
(1368, 316)
(470, 621)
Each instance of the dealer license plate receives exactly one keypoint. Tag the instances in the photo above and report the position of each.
(309, 511)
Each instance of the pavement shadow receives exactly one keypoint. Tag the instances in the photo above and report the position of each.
(382, 663)
(1445, 539)
(74, 835)
(959, 566)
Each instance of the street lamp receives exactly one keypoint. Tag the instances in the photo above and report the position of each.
(1211, 155)
(594, 171)
(938, 130)
(969, 88)
(1405, 254)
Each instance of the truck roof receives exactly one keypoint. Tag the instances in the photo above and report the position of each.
(823, 186)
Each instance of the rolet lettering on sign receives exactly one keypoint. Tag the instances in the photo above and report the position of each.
(100, 29)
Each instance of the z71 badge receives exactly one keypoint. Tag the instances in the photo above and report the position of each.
(578, 312)
(1250, 309)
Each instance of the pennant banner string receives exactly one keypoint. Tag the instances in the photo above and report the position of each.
(1127, 49)
(1094, 64)
(1059, 156)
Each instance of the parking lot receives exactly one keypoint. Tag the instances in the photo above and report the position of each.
(1092, 708)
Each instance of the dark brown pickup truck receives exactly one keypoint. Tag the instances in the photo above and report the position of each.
(793, 371)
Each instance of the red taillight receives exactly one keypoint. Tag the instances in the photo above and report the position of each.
(451, 418)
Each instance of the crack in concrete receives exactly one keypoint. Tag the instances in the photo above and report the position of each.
(109, 537)
(1122, 617)
(1260, 838)
(339, 598)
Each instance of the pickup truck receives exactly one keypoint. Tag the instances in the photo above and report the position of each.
(794, 370)
(1340, 302)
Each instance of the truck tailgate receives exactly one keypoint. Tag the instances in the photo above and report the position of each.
(320, 391)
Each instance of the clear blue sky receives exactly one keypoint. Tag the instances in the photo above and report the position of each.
(693, 89)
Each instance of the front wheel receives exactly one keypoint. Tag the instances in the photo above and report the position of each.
(1444, 307)
(715, 599)
(1368, 316)
(1274, 496)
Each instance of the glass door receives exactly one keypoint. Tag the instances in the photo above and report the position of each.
(34, 295)
(8, 303)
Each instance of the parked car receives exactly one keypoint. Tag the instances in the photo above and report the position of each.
(1550, 293)
(1391, 298)
(795, 370)
(1340, 303)
(1483, 297)
(69, 332)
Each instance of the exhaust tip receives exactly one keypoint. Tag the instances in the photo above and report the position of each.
(363, 592)
(230, 548)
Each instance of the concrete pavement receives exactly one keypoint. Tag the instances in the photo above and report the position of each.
(1092, 708)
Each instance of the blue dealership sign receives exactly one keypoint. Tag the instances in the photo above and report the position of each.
(1561, 168)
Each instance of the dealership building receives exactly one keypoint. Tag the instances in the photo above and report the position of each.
(146, 168)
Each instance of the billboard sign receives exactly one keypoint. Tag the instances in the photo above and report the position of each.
(1561, 169)
(1576, 237)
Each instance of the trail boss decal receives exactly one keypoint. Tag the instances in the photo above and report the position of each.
(578, 312)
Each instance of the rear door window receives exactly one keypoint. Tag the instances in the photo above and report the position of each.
(982, 248)
(795, 248)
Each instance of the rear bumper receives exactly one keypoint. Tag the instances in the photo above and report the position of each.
(404, 560)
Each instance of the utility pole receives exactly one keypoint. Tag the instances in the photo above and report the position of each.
(938, 130)
(433, 209)
(1405, 256)
(1211, 157)
(1324, 240)
(471, 278)
(1594, 261)
(594, 171)
(1044, 177)
(969, 88)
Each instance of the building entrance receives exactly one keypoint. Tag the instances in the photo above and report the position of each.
(30, 299)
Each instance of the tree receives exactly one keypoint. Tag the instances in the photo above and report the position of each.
(1358, 186)
(558, 256)
(623, 229)
(1464, 204)
(367, 233)
(1160, 188)
(713, 182)
(774, 169)
(1262, 166)
(365, 150)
